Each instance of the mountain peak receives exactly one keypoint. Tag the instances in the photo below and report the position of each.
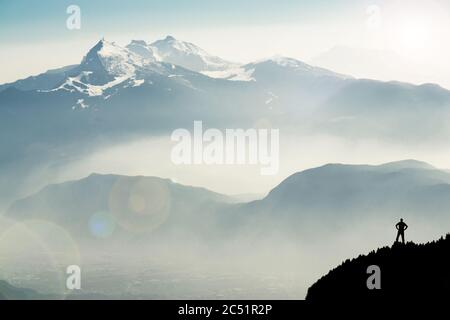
(169, 38)
(407, 164)
(101, 46)
(143, 49)
(187, 55)
(286, 61)
(116, 60)
(171, 46)
(356, 175)
(138, 42)
(103, 43)
(281, 60)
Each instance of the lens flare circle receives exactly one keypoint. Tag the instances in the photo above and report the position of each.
(140, 204)
(35, 255)
(102, 225)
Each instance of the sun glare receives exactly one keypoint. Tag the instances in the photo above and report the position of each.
(414, 29)
(414, 35)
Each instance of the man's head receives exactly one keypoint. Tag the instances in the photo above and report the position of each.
(401, 219)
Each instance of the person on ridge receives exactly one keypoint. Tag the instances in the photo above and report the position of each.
(401, 227)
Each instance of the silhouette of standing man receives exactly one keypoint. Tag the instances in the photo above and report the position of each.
(401, 227)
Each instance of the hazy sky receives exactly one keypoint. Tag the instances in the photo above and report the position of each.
(409, 38)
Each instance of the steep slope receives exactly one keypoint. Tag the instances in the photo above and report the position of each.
(107, 65)
(44, 81)
(412, 272)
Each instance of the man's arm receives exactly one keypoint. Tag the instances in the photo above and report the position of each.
(406, 226)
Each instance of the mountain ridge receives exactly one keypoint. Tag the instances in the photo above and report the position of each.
(191, 49)
(331, 195)
(119, 95)
(130, 207)
(408, 272)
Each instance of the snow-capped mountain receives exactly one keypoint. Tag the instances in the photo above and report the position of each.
(184, 54)
(107, 65)
(143, 49)
(115, 60)
(284, 85)
(275, 64)
(116, 92)
(188, 55)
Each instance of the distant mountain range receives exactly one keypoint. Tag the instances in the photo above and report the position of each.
(184, 54)
(116, 94)
(127, 208)
(411, 272)
(158, 86)
(335, 197)
(379, 64)
(331, 198)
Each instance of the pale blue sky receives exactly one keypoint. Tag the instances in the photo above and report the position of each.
(16, 12)
(27, 20)
(237, 30)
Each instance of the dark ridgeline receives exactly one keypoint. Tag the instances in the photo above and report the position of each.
(408, 271)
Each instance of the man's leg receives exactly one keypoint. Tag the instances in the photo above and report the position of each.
(403, 237)
(398, 235)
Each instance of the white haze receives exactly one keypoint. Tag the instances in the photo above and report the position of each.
(273, 266)
(151, 157)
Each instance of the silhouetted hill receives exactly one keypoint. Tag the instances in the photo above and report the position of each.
(336, 196)
(121, 207)
(410, 271)
(331, 198)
